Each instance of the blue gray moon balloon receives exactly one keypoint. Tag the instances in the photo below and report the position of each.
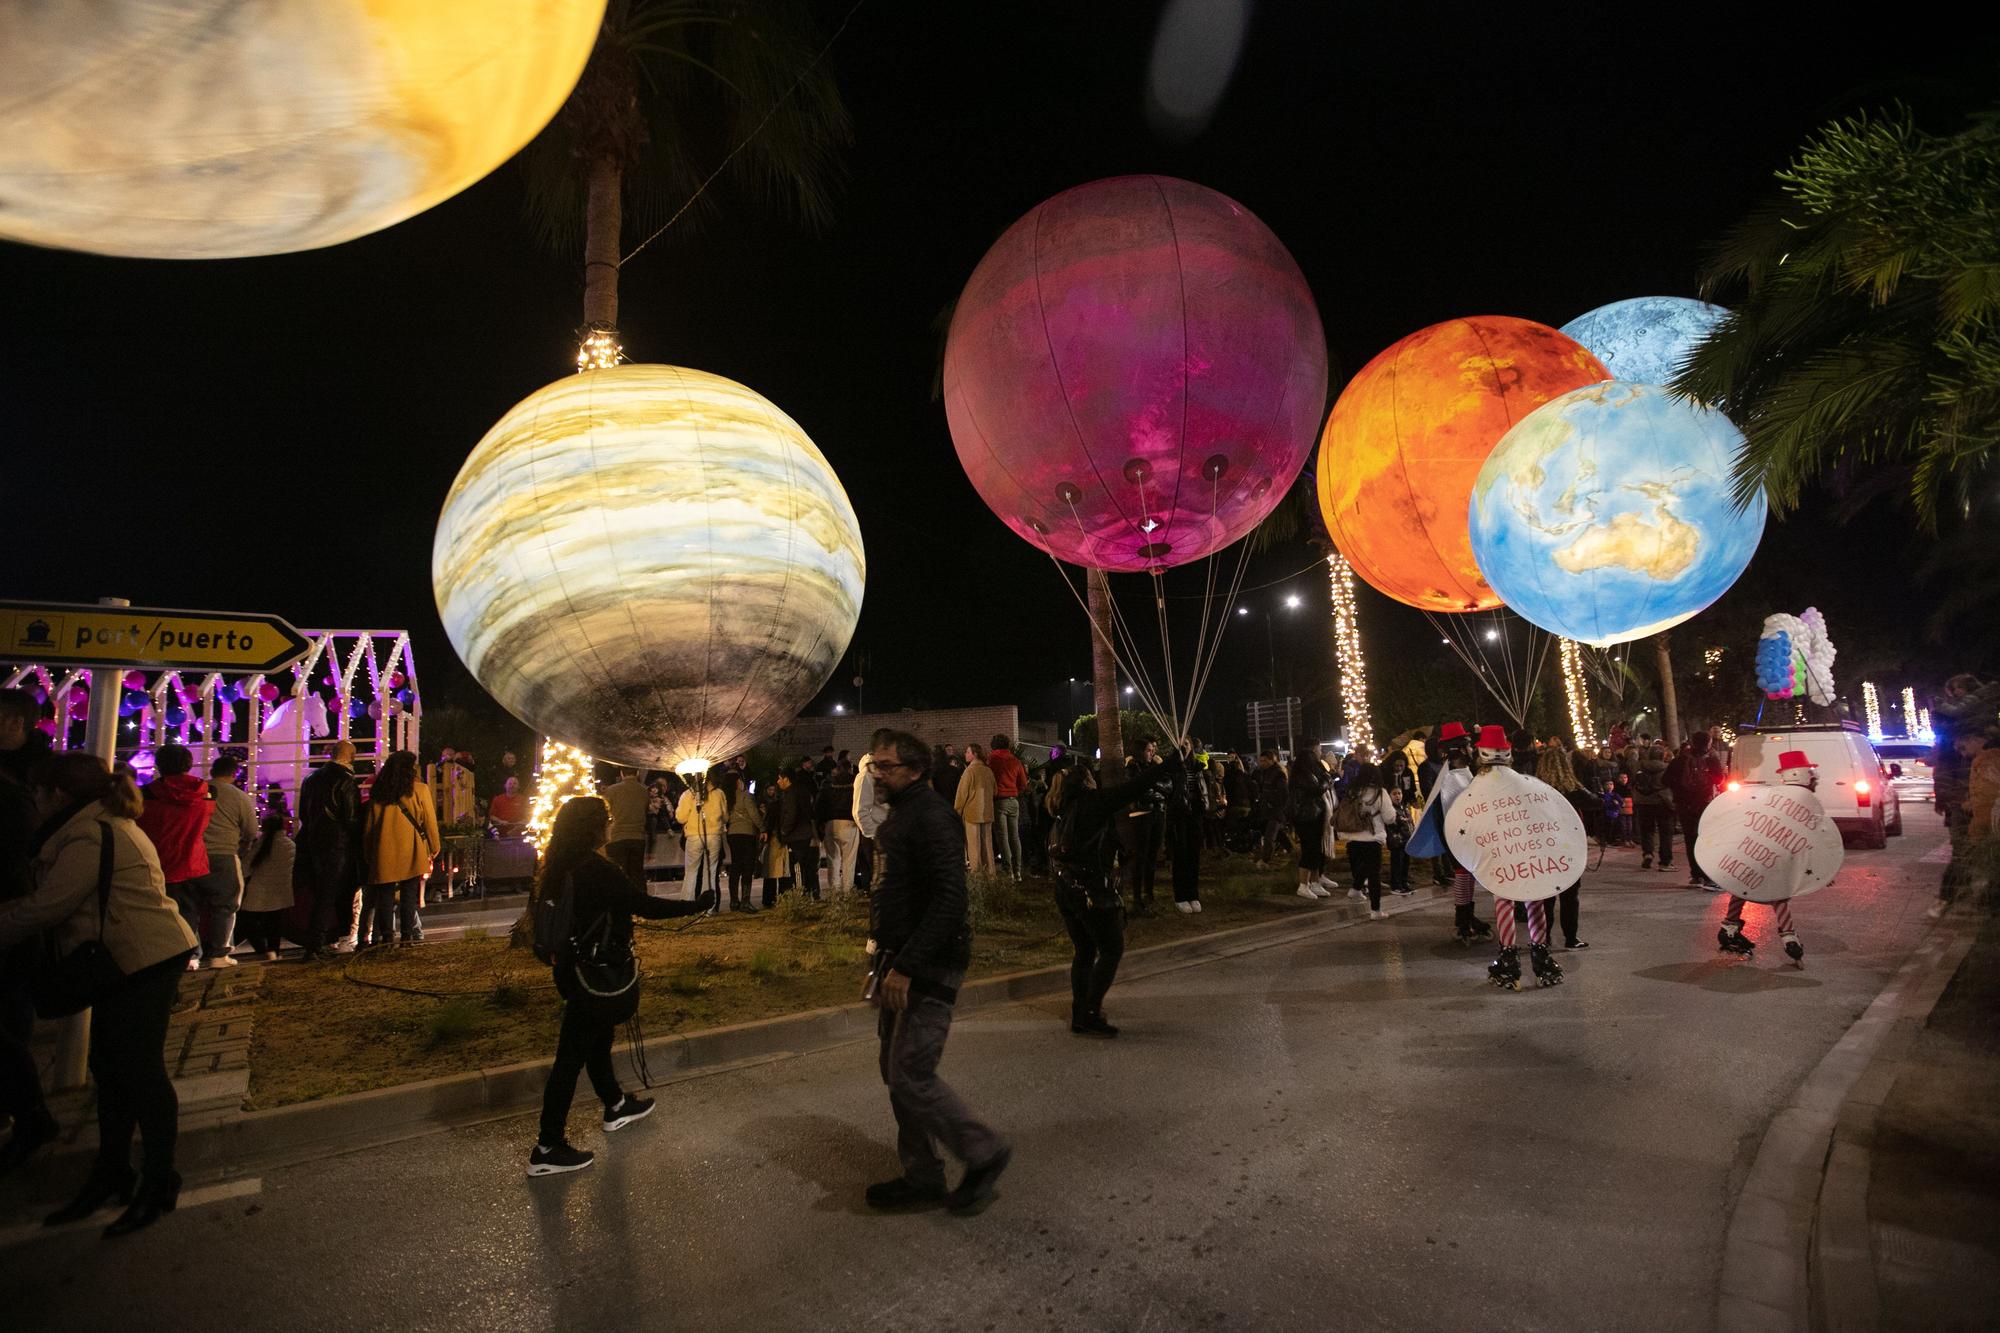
(1646, 338)
(653, 563)
(1606, 514)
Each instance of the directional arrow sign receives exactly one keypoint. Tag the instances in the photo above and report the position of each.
(143, 636)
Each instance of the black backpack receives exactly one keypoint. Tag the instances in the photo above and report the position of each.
(552, 922)
(1067, 848)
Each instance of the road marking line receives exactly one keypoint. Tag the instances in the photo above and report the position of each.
(221, 1192)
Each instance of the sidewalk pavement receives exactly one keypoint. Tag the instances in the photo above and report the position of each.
(1874, 1199)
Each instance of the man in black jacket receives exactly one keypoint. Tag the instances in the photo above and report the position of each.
(922, 942)
(329, 855)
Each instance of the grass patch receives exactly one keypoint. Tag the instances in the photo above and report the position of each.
(319, 1035)
(453, 1021)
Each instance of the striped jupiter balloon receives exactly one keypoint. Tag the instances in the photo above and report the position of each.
(653, 563)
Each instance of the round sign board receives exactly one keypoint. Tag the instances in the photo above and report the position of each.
(1767, 843)
(1518, 836)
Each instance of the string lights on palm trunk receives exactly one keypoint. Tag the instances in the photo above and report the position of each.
(1576, 688)
(1872, 703)
(564, 772)
(1347, 648)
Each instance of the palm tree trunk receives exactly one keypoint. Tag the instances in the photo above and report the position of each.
(602, 215)
(1670, 709)
(1104, 680)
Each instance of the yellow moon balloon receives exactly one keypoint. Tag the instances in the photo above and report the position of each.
(652, 563)
(213, 129)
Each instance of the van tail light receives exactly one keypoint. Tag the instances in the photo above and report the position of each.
(1862, 790)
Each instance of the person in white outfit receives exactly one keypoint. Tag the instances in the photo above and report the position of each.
(703, 820)
(868, 815)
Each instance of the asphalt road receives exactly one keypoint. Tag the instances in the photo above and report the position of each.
(1349, 1131)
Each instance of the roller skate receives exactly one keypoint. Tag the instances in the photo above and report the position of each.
(1462, 927)
(1480, 930)
(1795, 951)
(1505, 971)
(1735, 941)
(1548, 972)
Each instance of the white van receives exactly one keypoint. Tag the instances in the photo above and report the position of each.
(1853, 785)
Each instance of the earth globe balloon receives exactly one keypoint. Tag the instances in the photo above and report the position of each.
(208, 129)
(1134, 373)
(1408, 435)
(1646, 338)
(653, 563)
(1606, 514)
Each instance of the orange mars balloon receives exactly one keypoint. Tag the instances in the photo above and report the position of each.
(1406, 439)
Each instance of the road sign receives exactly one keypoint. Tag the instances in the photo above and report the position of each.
(141, 636)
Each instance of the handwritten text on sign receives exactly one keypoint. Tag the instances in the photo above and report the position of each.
(1766, 843)
(1517, 835)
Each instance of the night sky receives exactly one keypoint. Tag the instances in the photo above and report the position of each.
(278, 434)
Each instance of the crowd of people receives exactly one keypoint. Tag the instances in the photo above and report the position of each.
(129, 888)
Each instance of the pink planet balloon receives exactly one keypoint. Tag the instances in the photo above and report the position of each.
(1135, 373)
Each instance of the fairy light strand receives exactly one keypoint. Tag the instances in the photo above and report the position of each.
(1873, 705)
(1911, 725)
(562, 773)
(1583, 730)
(599, 350)
(1347, 649)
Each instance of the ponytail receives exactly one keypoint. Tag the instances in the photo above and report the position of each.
(121, 797)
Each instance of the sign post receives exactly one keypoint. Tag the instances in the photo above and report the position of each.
(110, 638)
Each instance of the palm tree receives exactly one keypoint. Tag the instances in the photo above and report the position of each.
(1865, 349)
(675, 92)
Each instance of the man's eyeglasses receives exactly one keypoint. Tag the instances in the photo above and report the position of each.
(879, 765)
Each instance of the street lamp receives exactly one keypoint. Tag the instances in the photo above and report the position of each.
(840, 708)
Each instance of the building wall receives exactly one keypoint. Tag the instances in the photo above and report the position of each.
(952, 727)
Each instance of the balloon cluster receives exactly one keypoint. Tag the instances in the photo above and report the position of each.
(1794, 656)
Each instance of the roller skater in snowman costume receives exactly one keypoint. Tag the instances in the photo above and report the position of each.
(1749, 861)
(1428, 839)
(1495, 751)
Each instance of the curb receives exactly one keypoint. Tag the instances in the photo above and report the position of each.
(237, 1142)
(1796, 1252)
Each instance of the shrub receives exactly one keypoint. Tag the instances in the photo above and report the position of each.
(797, 909)
(510, 995)
(764, 964)
(687, 981)
(989, 897)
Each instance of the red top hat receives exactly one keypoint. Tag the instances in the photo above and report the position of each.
(1794, 759)
(1492, 737)
(1451, 731)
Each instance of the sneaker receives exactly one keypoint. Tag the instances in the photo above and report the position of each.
(1645, 863)
(1093, 1026)
(1576, 944)
(628, 1109)
(1356, 893)
(975, 1187)
(1195, 906)
(222, 960)
(194, 965)
(1664, 866)
(1376, 914)
(544, 1161)
(269, 955)
(1402, 893)
(903, 1192)
(1185, 909)
(1306, 892)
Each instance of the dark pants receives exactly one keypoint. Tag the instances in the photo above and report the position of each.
(1184, 853)
(128, 1031)
(1365, 860)
(1656, 832)
(1267, 841)
(1312, 844)
(629, 855)
(1690, 829)
(1566, 911)
(1098, 933)
(262, 931)
(742, 867)
(332, 910)
(385, 903)
(1399, 869)
(20, 1078)
(805, 867)
(584, 1043)
(928, 1112)
(1139, 840)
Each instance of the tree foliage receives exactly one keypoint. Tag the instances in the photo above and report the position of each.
(1865, 348)
(1135, 725)
(672, 87)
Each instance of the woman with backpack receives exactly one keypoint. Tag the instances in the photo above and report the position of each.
(583, 913)
(399, 839)
(1306, 809)
(1362, 818)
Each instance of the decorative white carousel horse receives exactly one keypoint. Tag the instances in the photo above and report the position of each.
(284, 745)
